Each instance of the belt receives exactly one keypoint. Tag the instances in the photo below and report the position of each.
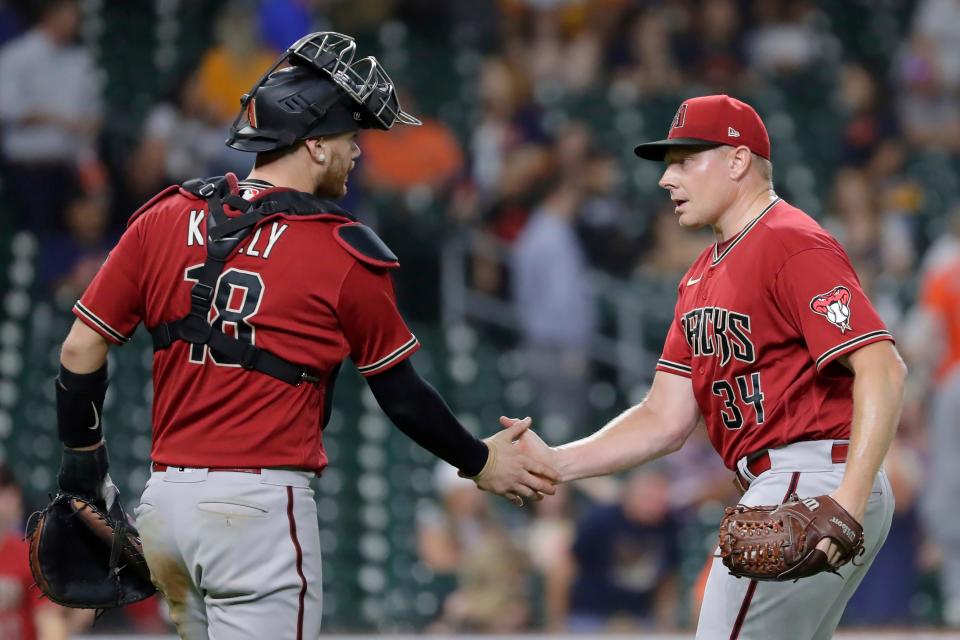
(162, 467)
(759, 462)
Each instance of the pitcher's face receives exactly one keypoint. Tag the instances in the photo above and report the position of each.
(699, 183)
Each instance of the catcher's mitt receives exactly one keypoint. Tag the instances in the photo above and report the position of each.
(83, 557)
(780, 543)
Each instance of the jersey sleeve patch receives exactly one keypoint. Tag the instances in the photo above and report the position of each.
(391, 358)
(366, 246)
(834, 305)
(98, 324)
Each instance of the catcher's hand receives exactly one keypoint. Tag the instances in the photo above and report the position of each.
(510, 472)
(82, 556)
(780, 543)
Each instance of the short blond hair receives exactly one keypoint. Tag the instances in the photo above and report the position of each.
(764, 168)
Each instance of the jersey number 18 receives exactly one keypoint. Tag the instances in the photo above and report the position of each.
(235, 301)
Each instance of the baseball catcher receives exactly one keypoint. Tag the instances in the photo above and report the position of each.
(780, 543)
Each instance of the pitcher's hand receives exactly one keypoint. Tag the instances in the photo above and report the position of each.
(511, 472)
(532, 444)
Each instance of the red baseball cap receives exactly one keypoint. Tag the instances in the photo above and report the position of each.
(709, 121)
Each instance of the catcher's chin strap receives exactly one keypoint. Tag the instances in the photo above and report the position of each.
(223, 236)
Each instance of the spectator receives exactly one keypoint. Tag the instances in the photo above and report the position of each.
(672, 248)
(551, 282)
(854, 218)
(182, 138)
(508, 121)
(549, 539)
(714, 47)
(606, 223)
(930, 114)
(464, 538)
(387, 163)
(11, 24)
(939, 300)
(869, 121)
(561, 46)
(232, 66)
(784, 41)
(642, 58)
(446, 532)
(23, 616)
(939, 499)
(627, 560)
(70, 259)
(696, 477)
(936, 21)
(946, 246)
(885, 597)
(50, 111)
(286, 21)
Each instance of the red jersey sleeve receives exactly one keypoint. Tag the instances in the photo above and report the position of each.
(112, 304)
(820, 295)
(676, 356)
(369, 318)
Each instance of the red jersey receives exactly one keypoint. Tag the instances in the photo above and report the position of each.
(18, 601)
(291, 287)
(758, 322)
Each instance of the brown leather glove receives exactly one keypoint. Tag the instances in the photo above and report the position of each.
(780, 543)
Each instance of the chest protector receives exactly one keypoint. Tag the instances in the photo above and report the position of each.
(224, 234)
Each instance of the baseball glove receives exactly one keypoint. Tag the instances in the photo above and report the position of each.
(82, 556)
(780, 543)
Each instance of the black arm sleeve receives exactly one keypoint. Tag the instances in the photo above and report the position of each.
(79, 395)
(419, 412)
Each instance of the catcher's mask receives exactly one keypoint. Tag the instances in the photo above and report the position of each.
(323, 91)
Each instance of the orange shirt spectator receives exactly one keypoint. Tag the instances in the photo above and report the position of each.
(225, 75)
(940, 297)
(234, 64)
(428, 155)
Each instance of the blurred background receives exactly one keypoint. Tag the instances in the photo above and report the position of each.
(520, 187)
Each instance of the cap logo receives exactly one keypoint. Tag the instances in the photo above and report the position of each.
(733, 133)
(680, 119)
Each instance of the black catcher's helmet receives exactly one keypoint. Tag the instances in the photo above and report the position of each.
(323, 92)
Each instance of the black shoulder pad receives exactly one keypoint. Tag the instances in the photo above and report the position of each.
(203, 188)
(365, 245)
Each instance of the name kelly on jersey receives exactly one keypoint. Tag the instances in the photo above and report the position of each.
(252, 248)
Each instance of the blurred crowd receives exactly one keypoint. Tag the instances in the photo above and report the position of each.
(562, 195)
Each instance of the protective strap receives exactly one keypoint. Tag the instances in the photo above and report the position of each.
(249, 356)
(223, 236)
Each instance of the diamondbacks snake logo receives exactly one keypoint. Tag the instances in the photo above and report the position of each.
(834, 306)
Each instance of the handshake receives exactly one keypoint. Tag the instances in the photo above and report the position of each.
(519, 464)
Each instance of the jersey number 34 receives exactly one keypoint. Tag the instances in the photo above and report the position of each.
(747, 392)
(235, 302)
